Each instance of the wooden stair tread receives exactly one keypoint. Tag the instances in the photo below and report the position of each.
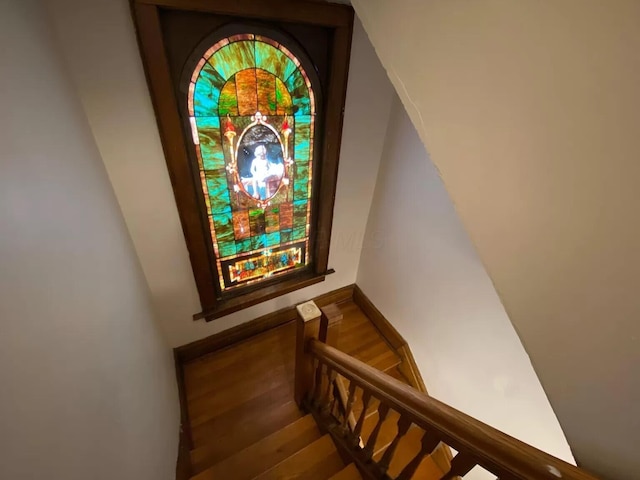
(252, 427)
(398, 375)
(406, 451)
(371, 409)
(219, 401)
(317, 461)
(350, 472)
(387, 431)
(385, 361)
(266, 453)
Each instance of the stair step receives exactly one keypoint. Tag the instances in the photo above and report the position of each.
(387, 431)
(347, 473)
(398, 375)
(371, 409)
(224, 438)
(317, 461)
(268, 452)
(385, 361)
(407, 449)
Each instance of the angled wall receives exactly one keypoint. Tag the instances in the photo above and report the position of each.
(88, 385)
(420, 269)
(530, 112)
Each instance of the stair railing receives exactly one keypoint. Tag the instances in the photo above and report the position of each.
(329, 383)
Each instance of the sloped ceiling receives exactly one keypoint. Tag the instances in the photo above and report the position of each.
(530, 111)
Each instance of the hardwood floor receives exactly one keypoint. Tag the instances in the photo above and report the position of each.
(240, 405)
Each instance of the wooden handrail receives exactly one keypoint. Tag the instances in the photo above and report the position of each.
(476, 442)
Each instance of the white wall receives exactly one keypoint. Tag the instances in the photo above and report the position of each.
(88, 386)
(530, 110)
(114, 93)
(420, 269)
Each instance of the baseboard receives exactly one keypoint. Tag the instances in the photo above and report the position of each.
(183, 465)
(408, 365)
(196, 349)
(410, 370)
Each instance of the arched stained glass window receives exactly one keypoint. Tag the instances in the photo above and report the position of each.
(252, 110)
(249, 99)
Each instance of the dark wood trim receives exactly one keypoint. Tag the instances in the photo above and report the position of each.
(234, 304)
(185, 444)
(336, 95)
(154, 57)
(339, 18)
(408, 366)
(221, 340)
(309, 12)
(410, 370)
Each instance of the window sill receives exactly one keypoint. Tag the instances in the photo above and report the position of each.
(231, 305)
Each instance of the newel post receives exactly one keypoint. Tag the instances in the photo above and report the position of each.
(307, 327)
(330, 324)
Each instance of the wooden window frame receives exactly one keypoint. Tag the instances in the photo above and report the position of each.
(337, 18)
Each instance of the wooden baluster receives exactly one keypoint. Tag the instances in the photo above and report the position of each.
(429, 443)
(326, 399)
(336, 405)
(460, 466)
(366, 399)
(307, 327)
(317, 383)
(348, 421)
(383, 410)
(403, 427)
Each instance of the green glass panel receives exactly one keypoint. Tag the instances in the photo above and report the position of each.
(207, 92)
(283, 99)
(227, 249)
(272, 219)
(243, 246)
(211, 146)
(228, 104)
(257, 222)
(299, 94)
(272, 239)
(257, 242)
(285, 235)
(300, 213)
(266, 85)
(299, 233)
(301, 183)
(223, 224)
(234, 57)
(273, 60)
(302, 138)
(218, 191)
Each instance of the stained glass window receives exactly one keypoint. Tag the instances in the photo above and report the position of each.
(252, 112)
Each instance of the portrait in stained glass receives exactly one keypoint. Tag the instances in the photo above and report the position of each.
(252, 110)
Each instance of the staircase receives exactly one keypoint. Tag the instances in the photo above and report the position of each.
(323, 398)
(244, 422)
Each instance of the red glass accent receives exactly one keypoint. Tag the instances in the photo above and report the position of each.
(229, 127)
